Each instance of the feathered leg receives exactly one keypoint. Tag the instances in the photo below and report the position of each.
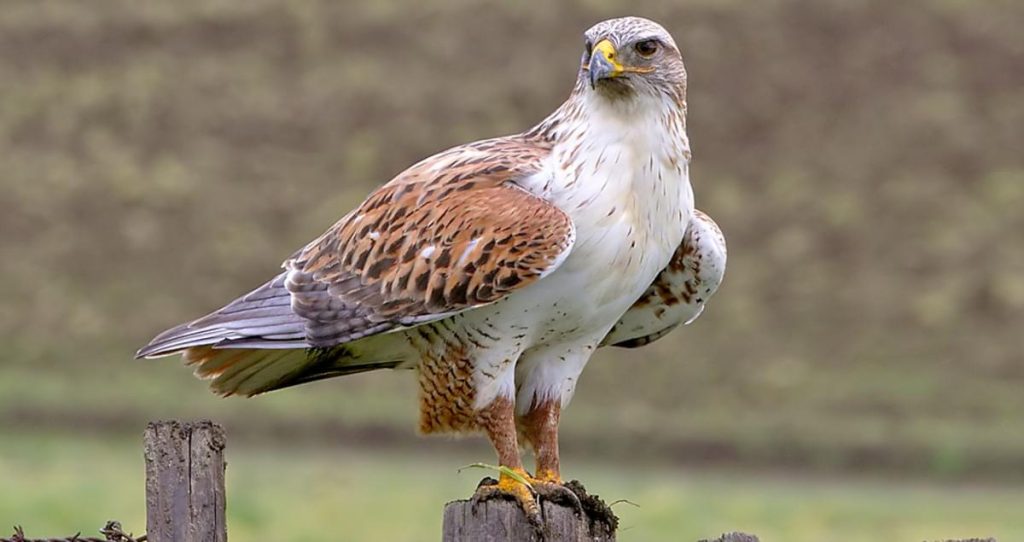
(540, 430)
(498, 421)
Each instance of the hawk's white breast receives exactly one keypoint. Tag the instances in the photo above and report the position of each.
(623, 178)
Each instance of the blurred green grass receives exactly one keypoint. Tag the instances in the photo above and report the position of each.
(915, 438)
(337, 493)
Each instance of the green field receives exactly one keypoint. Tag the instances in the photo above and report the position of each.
(55, 485)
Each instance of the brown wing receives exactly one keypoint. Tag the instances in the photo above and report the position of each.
(451, 233)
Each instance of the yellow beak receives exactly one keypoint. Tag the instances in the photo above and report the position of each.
(603, 64)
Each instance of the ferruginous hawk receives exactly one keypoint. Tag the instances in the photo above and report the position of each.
(496, 268)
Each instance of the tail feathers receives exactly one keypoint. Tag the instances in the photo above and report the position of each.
(257, 344)
(262, 318)
(248, 372)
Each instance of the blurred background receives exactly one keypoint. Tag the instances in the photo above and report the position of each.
(858, 377)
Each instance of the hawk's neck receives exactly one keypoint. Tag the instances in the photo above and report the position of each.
(637, 144)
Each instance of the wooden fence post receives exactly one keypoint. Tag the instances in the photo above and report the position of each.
(499, 520)
(504, 521)
(185, 499)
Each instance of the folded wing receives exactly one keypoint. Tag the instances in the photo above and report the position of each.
(451, 233)
(679, 293)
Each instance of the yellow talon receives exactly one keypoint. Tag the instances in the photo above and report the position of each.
(510, 485)
(548, 485)
(515, 484)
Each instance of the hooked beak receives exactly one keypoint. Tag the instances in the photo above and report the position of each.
(603, 64)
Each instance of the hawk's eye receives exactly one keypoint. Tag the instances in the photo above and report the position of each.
(647, 47)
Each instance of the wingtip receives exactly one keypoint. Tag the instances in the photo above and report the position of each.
(152, 351)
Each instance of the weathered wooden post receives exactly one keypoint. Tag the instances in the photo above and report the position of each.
(185, 499)
(504, 521)
(498, 520)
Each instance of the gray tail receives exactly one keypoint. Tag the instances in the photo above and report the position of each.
(263, 318)
(256, 344)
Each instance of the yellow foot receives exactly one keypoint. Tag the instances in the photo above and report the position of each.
(509, 487)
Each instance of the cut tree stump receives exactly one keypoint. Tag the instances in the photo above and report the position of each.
(185, 499)
(503, 520)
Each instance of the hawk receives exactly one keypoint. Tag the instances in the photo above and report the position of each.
(495, 269)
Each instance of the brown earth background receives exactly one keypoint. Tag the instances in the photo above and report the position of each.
(864, 159)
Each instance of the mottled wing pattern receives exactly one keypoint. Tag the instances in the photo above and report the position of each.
(450, 233)
(678, 294)
(411, 255)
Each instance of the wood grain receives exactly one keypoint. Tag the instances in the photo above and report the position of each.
(185, 498)
(504, 521)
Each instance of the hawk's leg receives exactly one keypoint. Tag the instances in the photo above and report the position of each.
(539, 427)
(540, 430)
(498, 421)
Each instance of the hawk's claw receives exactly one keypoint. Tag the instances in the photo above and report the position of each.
(558, 494)
(509, 488)
(528, 495)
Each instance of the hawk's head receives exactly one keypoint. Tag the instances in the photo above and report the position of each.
(630, 56)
